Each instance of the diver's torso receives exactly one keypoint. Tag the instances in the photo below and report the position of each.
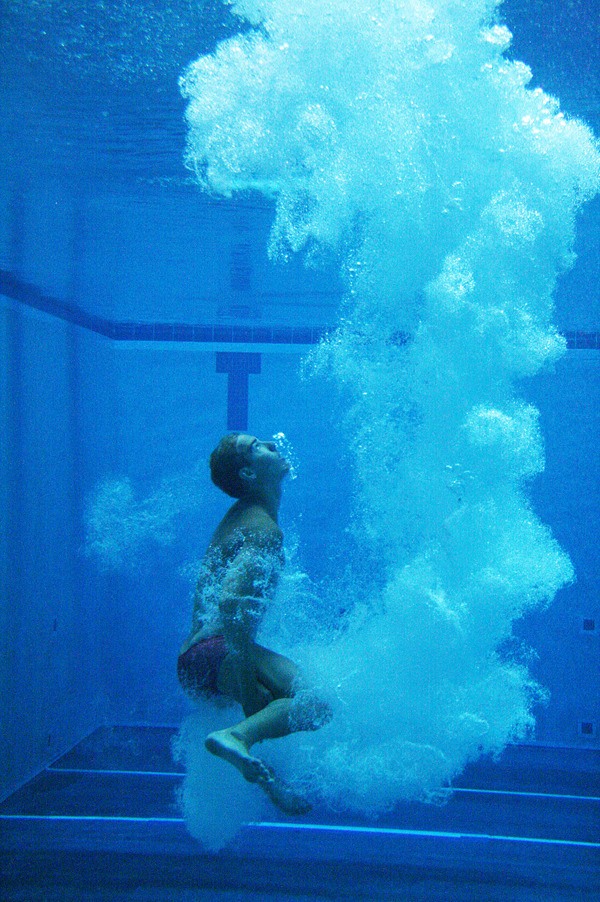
(242, 528)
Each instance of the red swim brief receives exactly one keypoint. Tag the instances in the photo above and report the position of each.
(198, 667)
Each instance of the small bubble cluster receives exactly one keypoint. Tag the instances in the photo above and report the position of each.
(284, 446)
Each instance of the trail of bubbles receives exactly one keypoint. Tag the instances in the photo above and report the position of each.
(398, 135)
(284, 446)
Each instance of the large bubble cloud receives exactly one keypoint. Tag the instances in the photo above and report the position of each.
(398, 135)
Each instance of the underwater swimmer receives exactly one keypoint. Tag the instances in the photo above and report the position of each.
(238, 577)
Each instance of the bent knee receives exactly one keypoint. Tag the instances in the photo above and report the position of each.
(276, 672)
(309, 712)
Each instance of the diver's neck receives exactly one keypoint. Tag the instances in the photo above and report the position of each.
(269, 499)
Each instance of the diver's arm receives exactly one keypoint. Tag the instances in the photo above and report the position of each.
(244, 595)
(241, 616)
(248, 585)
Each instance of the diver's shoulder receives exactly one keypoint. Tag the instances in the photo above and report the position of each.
(255, 522)
(254, 532)
(260, 531)
(264, 530)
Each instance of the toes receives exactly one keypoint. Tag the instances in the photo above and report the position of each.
(256, 771)
(267, 773)
(284, 797)
(264, 774)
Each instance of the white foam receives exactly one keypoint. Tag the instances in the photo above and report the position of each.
(214, 798)
(122, 528)
(397, 135)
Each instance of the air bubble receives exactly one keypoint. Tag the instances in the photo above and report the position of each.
(284, 446)
(427, 164)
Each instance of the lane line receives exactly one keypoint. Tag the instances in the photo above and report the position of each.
(455, 791)
(527, 795)
(392, 831)
(332, 828)
(102, 818)
(101, 770)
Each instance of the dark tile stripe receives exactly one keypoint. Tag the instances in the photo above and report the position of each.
(26, 293)
(31, 296)
(238, 367)
(583, 340)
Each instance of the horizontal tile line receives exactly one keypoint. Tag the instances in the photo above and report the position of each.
(197, 333)
(454, 791)
(393, 831)
(317, 828)
(175, 332)
(101, 770)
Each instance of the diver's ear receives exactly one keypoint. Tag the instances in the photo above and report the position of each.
(247, 473)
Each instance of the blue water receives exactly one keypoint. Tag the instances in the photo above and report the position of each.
(401, 171)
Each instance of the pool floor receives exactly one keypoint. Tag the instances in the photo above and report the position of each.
(102, 823)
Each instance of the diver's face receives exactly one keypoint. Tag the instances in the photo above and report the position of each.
(263, 459)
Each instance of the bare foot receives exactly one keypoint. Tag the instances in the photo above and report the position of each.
(225, 744)
(284, 797)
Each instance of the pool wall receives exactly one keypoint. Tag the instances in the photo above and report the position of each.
(102, 378)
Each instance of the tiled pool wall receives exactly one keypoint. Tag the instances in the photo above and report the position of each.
(87, 396)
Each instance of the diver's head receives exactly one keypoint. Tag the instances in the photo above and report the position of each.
(243, 466)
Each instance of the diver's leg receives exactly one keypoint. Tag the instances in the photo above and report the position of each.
(270, 722)
(234, 744)
(282, 677)
(277, 675)
(277, 680)
(275, 671)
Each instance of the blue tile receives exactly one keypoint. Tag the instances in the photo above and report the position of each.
(163, 332)
(587, 340)
(123, 748)
(319, 333)
(103, 794)
(30, 295)
(223, 334)
(100, 326)
(237, 401)
(503, 812)
(282, 336)
(242, 334)
(203, 333)
(123, 331)
(238, 366)
(302, 336)
(262, 335)
(183, 332)
(77, 317)
(144, 331)
(238, 362)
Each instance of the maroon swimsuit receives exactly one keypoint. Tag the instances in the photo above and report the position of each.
(198, 667)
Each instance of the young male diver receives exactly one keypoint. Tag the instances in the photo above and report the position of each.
(238, 577)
